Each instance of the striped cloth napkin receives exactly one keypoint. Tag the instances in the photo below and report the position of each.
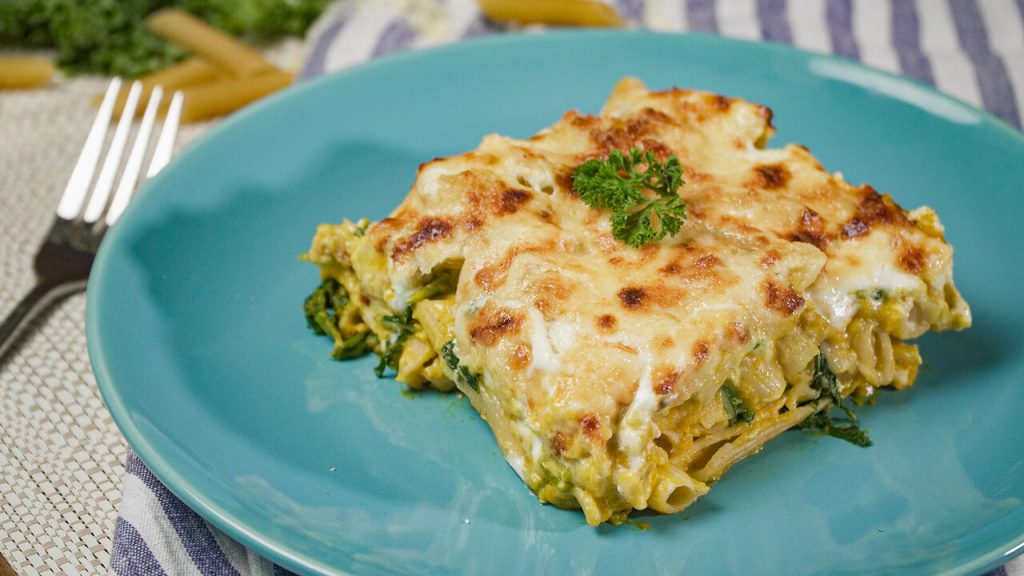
(970, 49)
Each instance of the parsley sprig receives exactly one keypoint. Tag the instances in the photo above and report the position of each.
(624, 183)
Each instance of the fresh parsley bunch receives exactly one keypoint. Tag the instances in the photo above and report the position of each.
(624, 183)
(109, 36)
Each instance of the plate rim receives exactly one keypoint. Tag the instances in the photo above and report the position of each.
(251, 537)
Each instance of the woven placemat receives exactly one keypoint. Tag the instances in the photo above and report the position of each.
(61, 455)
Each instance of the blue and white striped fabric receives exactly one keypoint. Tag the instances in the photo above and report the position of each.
(970, 49)
(156, 534)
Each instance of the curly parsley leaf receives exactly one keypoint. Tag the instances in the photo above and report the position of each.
(639, 190)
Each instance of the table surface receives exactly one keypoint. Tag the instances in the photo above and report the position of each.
(61, 455)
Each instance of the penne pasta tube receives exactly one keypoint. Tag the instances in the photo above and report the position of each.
(200, 38)
(226, 95)
(561, 13)
(195, 70)
(674, 490)
(25, 71)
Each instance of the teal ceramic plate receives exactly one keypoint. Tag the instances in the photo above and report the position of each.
(201, 351)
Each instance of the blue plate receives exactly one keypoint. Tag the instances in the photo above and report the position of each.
(205, 361)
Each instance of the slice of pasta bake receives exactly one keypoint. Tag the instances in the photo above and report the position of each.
(620, 378)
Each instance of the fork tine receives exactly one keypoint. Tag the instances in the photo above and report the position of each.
(78, 185)
(105, 181)
(165, 145)
(130, 175)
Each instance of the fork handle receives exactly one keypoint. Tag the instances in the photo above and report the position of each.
(42, 295)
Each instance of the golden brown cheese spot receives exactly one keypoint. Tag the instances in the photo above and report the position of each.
(591, 426)
(673, 93)
(551, 292)
(423, 166)
(666, 342)
(855, 227)
(558, 443)
(700, 352)
(607, 322)
(706, 262)
(661, 150)
(606, 140)
(770, 259)
(581, 121)
(625, 348)
(912, 259)
(430, 229)
(694, 176)
(626, 134)
(486, 194)
(648, 252)
(701, 272)
(782, 298)
(671, 269)
(633, 297)
(493, 323)
(383, 230)
(810, 229)
(563, 178)
(480, 158)
(874, 209)
(521, 357)
(771, 176)
(511, 200)
(665, 383)
(721, 103)
(493, 276)
(739, 332)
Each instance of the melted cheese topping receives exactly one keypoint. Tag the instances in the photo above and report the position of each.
(603, 364)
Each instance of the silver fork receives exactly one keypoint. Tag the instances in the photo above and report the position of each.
(63, 261)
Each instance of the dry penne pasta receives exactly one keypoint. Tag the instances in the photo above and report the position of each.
(191, 33)
(563, 13)
(25, 71)
(219, 97)
(190, 72)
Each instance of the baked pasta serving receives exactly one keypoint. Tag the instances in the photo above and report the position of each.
(625, 358)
